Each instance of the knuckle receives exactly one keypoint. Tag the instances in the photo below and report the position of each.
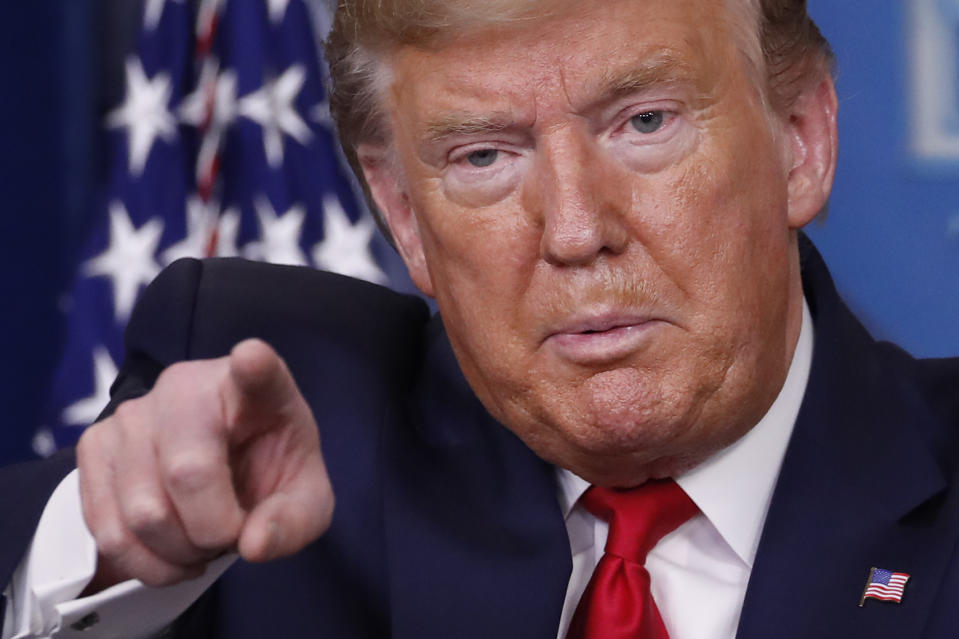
(131, 419)
(93, 436)
(128, 411)
(191, 472)
(186, 376)
(174, 380)
(173, 373)
(113, 540)
(145, 515)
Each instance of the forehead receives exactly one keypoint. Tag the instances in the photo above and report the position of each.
(572, 54)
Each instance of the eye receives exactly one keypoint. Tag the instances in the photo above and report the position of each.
(483, 158)
(648, 122)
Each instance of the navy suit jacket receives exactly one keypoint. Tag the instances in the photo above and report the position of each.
(448, 526)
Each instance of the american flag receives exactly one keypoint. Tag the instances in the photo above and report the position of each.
(222, 145)
(885, 585)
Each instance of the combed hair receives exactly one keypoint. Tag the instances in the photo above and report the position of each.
(795, 53)
(363, 33)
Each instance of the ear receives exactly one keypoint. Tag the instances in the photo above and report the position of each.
(812, 134)
(385, 180)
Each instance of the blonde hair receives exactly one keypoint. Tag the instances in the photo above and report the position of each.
(794, 52)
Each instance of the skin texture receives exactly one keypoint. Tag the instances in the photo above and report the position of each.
(606, 214)
(623, 295)
(220, 455)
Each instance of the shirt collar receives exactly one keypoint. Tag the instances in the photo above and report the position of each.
(748, 468)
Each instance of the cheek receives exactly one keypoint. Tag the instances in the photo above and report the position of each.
(731, 205)
(716, 230)
(475, 254)
(474, 249)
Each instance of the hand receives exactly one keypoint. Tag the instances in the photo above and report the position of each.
(221, 455)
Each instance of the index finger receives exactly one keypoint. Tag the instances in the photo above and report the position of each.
(261, 392)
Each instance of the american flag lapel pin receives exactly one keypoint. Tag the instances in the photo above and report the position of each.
(884, 585)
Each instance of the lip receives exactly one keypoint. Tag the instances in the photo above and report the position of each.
(601, 338)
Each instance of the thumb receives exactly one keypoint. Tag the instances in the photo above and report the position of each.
(286, 521)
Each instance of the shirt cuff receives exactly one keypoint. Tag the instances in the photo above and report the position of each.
(61, 561)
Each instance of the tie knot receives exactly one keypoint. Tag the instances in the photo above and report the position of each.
(639, 517)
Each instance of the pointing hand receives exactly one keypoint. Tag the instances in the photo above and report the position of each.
(220, 455)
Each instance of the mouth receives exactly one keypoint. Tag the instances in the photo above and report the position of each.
(601, 339)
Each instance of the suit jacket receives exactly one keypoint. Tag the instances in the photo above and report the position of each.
(448, 526)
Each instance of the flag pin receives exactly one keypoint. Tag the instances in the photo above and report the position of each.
(884, 585)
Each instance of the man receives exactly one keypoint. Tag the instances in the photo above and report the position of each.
(605, 199)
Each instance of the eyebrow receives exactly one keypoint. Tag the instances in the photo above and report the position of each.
(466, 124)
(663, 68)
(656, 70)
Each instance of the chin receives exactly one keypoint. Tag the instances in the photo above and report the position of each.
(618, 467)
(626, 453)
(629, 474)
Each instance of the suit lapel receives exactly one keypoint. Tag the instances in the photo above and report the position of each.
(859, 488)
(475, 539)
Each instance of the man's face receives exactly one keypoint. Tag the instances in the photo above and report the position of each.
(601, 207)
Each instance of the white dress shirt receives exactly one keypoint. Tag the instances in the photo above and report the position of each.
(707, 560)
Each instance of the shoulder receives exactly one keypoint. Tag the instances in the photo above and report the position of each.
(916, 397)
(935, 383)
(343, 339)
(240, 292)
(940, 379)
(201, 308)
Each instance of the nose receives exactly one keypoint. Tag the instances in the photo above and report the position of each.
(579, 199)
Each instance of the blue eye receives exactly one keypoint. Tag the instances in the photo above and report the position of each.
(483, 158)
(649, 122)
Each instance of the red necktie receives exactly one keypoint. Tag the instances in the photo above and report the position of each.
(617, 603)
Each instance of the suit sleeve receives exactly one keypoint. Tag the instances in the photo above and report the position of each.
(159, 332)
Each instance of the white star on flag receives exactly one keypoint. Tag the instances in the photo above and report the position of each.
(144, 113)
(200, 225)
(272, 108)
(277, 9)
(153, 11)
(214, 99)
(83, 412)
(280, 235)
(345, 247)
(128, 260)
